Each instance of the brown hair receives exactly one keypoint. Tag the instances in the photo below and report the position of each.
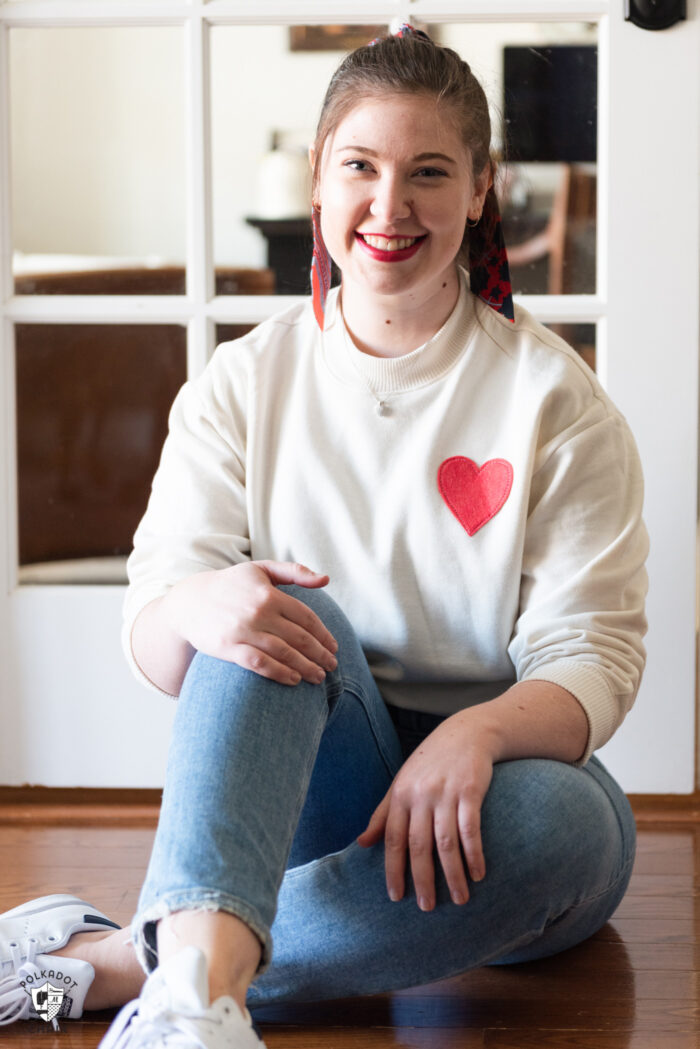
(412, 64)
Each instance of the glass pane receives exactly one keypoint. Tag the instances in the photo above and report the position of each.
(98, 164)
(542, 86)
(582, 337)
(92, 409)
(541, 81)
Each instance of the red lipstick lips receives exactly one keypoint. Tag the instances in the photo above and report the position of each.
(390, 256)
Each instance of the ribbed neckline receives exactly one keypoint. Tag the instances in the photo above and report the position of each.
(386, 375)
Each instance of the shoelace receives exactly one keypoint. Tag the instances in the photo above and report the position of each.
(130, 1031)
(15, 1003)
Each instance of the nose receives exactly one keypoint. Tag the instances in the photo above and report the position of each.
(391, 200)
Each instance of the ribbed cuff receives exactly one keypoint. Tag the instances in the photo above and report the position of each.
(588, 684)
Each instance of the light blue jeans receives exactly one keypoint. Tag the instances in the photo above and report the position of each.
(266, 790)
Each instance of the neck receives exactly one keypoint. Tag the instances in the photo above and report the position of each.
(391, 326)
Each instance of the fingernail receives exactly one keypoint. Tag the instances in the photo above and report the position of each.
(394, 896)
(424, 903)
(457, 897)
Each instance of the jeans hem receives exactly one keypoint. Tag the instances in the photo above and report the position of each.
(143, 924)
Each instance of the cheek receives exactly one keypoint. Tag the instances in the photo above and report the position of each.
(341, 211)
(449, 222)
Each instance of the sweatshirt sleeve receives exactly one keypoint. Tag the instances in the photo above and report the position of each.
(581, 619)
(196, 519)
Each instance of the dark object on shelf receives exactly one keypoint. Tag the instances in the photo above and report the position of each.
(655, 14)
(550, 103)
(289, 249)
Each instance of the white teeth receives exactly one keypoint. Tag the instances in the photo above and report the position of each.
(388, 244)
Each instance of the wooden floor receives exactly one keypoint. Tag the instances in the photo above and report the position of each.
(632, 986)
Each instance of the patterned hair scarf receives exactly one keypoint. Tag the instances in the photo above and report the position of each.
(489, 273)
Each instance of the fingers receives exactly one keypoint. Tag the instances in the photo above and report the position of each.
(469, 823)
(446, 833)
(257, 660)
(395, 842)
(420, 847)
(453, 831)
(286, 572)
(279, 637)
(273, 651)
(310, 634)
(447, 840)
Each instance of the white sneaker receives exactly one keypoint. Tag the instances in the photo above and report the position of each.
(173, 1012)
(27, 934)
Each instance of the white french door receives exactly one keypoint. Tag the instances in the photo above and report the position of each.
(70, 714)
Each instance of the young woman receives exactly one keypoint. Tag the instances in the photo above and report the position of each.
(382, 769)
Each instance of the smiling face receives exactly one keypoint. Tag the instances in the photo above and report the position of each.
(395, 191)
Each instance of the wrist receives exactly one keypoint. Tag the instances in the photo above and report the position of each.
(483, 730)
(532, 719)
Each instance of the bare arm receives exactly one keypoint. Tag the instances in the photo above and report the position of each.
(533, 719)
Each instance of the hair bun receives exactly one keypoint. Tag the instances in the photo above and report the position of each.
(401, 29)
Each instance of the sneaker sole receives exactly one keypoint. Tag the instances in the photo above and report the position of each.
(46, 903)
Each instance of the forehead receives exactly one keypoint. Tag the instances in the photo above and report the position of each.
(407, 123)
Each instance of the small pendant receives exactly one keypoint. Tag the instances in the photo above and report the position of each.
(382, 408)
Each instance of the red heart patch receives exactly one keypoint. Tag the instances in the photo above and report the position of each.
(474, 494)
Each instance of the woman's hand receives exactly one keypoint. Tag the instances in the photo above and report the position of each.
(239, 615)
(435, 801)
(436, 798)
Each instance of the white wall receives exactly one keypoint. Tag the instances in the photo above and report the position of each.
(98, 163)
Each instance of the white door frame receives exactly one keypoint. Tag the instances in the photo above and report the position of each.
(648, 336)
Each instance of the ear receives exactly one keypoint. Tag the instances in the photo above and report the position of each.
(312, 157)
(482, 185)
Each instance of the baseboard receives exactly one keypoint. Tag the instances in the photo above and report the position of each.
(127, 807)
(666, 808)
(79, 806)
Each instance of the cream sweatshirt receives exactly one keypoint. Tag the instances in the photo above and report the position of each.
(476, 502)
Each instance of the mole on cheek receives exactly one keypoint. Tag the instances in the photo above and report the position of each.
(444, 284)
(387, 322)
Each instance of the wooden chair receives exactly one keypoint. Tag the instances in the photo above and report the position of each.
(572, 216)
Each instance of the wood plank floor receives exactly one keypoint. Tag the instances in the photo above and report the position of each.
(632, 986)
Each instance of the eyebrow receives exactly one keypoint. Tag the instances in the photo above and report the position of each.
(418, 157)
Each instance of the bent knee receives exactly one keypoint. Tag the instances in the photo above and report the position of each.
(550, 815)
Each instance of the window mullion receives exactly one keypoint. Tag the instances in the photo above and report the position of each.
(9, 542)
(302, 12)
(8, 476)
(509, 10)
(6, 281)
(200, 248)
